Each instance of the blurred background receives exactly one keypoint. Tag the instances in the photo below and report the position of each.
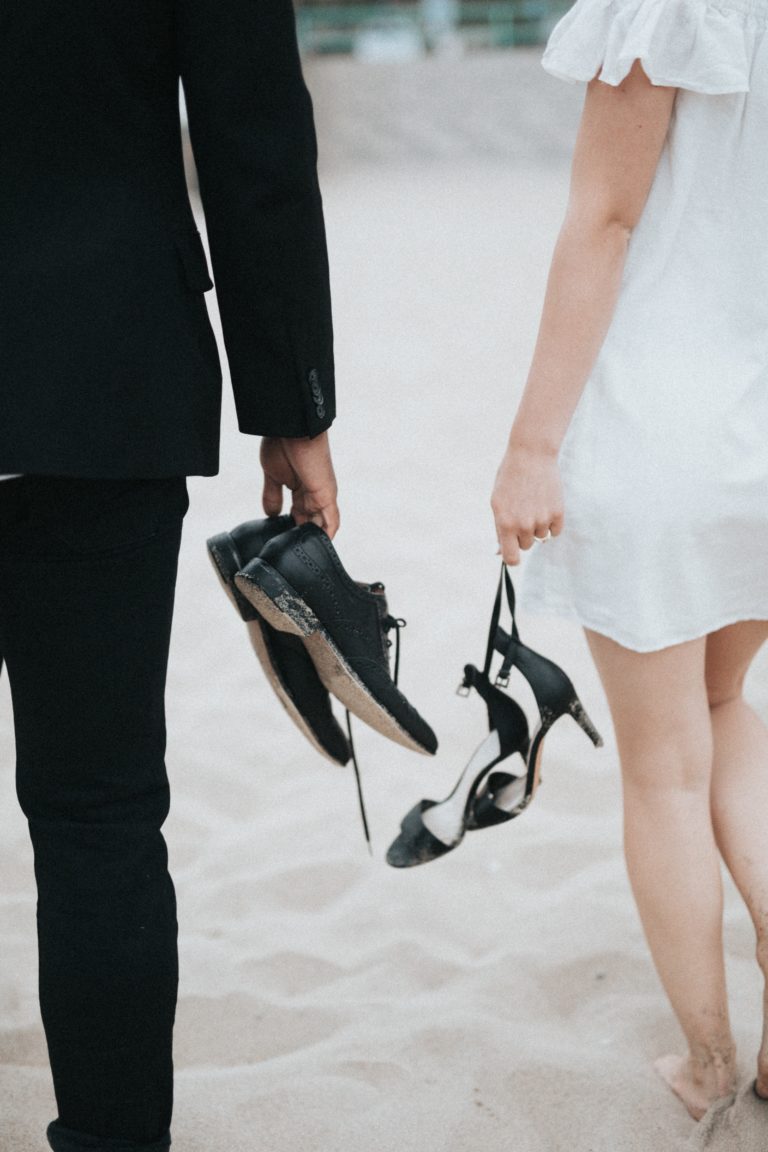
(407, 28)
(421, 78)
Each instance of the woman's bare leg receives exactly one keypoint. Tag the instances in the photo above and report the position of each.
(660, 711)
(740, 785)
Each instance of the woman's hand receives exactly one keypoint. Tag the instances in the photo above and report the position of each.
(527, 500)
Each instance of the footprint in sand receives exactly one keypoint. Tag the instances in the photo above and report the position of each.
(25, 1046)
(571, 987)
(312, 889)
(308, 889)
(237, 1029)
(376, 1073)
(734, 1124)
(290, 973)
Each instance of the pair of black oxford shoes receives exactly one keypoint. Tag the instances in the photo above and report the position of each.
(317, 633)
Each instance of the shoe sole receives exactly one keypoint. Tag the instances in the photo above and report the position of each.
(283, 608)
(261, 648)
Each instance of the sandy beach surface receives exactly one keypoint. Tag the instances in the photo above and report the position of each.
(500, 999)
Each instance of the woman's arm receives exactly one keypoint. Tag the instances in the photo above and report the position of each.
(620, 139)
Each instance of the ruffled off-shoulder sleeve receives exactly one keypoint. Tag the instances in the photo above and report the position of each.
(694, 44)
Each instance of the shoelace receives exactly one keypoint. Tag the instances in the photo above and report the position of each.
(388, 623)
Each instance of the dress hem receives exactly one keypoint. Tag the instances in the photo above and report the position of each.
(564, 611)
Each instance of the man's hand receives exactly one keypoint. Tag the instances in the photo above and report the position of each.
(305, 466)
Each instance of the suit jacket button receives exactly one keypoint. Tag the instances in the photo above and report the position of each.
(317, 392)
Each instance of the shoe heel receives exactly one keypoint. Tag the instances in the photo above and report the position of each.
(226, 563)
(275, 600)
(579, 713)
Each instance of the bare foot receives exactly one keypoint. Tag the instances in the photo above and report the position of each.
(696, 1083)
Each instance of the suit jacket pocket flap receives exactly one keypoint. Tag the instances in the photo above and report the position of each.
(190, 248)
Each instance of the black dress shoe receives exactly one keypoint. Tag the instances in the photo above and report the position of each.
(283, 657)
(299, 585)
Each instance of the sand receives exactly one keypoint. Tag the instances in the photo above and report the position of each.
(501, 998)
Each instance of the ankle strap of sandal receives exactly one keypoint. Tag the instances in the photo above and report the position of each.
(499, 640)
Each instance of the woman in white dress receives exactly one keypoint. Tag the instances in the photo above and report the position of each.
(639, 452)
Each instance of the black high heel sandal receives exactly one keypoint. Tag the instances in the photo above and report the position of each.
(504, 796)
(483, 798)
(447, 820)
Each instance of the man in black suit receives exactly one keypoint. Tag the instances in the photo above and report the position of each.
(110, 397)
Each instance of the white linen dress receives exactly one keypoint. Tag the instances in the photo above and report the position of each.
(665, 465)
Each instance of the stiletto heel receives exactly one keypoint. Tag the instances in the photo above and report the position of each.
(555, 697)
(579, 713)
(432, 828)
(483, 797)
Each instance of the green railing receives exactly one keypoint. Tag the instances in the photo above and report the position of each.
(337, 27)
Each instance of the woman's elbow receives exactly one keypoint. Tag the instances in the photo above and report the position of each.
(604, 222)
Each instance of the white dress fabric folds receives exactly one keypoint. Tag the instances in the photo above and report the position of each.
(665, 464)
(704, 47)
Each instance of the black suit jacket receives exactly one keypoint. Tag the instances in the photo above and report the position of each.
(108, 364)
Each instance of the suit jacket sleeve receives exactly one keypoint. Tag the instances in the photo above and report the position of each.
(253, 137)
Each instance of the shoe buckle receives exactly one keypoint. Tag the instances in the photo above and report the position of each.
(463, 689)
(502, 681)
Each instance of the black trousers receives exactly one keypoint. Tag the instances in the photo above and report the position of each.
(87, 579)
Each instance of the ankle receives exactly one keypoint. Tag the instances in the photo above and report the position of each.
(761, 954)
(762, 1071)
(713, 1065)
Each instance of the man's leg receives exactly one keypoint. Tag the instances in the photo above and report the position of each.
(87, 577)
